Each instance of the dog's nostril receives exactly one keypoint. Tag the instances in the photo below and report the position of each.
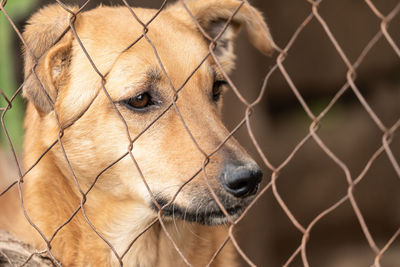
(239, 185)
(241, 181)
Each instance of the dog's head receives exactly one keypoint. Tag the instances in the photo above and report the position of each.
(163, 147)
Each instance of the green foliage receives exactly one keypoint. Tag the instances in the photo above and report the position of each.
(17, 10)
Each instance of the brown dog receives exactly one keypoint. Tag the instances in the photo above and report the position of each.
(119, 205)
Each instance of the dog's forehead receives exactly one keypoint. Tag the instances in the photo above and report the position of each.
(179, 48)
(117, 28)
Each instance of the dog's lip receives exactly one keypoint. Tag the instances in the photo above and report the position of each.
(173, 210)
(213, 216)
(204, 217)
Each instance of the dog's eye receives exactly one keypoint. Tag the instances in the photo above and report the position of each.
(139, 102)
(217, 89)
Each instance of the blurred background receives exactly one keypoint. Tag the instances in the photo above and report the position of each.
(311, 182)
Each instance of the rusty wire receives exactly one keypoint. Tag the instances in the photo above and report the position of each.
(305, 230)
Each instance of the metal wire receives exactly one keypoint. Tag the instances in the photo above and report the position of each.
(279, 68)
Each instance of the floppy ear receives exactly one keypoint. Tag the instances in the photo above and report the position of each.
(41, 32)
(212, 15)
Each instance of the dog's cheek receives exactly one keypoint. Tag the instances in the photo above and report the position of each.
(168, 159)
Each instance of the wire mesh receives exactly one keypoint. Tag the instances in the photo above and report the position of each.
(387, 133)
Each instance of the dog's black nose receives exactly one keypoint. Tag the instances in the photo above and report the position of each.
(241, 180)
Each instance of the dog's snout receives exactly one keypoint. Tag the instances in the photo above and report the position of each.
(241, 180)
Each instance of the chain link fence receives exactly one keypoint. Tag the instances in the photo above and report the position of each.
(299, 255)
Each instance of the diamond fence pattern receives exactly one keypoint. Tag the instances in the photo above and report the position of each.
(387, 132)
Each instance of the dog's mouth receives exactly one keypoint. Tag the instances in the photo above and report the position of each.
(206, 214)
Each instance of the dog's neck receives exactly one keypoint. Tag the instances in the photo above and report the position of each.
(153, 247)
(132, 232)
(143, 242)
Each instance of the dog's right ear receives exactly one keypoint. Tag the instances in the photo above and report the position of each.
(43, 29)
(212, 15)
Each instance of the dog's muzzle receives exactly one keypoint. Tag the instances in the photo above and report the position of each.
(239, 182)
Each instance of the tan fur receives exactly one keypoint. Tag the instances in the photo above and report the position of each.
(119, 204)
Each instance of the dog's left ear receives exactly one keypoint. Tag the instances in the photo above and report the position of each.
(50, 61)
(212, 15)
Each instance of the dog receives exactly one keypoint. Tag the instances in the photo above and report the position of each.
(89, 108)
